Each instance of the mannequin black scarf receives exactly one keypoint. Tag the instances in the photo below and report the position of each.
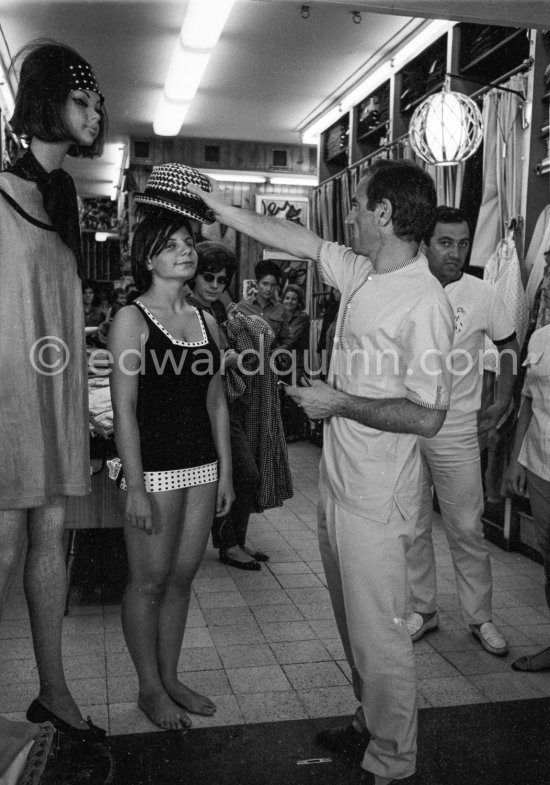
(59, 200)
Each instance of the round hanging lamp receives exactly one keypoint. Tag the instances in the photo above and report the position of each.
(446, 128)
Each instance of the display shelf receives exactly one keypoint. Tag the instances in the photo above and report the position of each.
(502, 45)
(423, 76)
(381, 129)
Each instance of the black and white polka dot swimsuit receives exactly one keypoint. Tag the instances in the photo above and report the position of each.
(177, 446)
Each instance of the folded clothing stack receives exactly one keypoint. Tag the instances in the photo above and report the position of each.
(100, 406)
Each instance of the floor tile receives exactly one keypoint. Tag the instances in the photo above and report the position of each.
(299, 580)
(277, 613)
(231, 599)
(223, 617)
(328, 701)
(199, 658)
(247, 656)
(265, 678)
(245, 633)
(307, 676)
(309, 651)
(287, 631)
(450, 691)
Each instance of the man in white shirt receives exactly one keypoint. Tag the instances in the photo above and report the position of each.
(451, 459)
(388, 383)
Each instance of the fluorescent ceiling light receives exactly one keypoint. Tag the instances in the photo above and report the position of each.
(294, 180)
(204, 22)
(395, 61)
(234, 176)
(185, 73)
(169, 116)
(199, 34)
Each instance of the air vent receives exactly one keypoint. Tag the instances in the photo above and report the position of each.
(279, 159)
(212, 153)
(142, 150)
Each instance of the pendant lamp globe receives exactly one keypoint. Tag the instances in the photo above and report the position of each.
(446, 128)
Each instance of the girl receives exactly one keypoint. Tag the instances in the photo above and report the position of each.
(172, 434)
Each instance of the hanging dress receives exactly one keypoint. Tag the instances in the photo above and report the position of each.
(43, 381)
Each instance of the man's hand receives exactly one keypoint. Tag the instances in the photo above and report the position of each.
(213, 199)
(516, 481)
(318, 401)
(490, 417)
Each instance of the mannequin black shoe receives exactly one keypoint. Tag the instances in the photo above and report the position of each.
(38, 713)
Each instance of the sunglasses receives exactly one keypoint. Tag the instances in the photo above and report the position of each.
(211, 277)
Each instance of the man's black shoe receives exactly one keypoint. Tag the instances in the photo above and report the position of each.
(344, 741)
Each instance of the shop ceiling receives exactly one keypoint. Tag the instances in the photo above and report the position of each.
(272, 70)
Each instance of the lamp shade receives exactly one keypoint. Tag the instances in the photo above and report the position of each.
(446, 128)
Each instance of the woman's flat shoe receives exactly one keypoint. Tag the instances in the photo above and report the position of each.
(240, 565)
(528, 664)
(257, 555)
(38, 713)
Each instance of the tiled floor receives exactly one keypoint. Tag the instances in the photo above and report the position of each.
(264, 645)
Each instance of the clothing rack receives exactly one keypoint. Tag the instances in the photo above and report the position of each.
(519, 69)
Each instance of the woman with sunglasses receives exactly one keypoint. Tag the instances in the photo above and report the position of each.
(214, 273)
(215, 269)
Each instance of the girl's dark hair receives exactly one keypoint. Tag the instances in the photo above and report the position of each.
(87, 283)
(213, 258)
(150, 238)
(42, 96)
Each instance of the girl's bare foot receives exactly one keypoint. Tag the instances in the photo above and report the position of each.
(191, 701)
(163, 711)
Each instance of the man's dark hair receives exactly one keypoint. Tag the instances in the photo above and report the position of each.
(267, 267)
(213, 258)
(445, 215)
(42, 95)
(410, 191)
(150, 238)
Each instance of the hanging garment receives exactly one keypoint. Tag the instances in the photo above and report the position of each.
(534, 260)
(503, 166)
(543, 315)
(258, 409)
(503, 271)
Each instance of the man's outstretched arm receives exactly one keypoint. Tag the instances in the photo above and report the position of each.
(274, 232)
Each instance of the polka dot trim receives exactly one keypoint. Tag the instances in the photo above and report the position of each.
(171, 480)
(176, 341)
(82, 77)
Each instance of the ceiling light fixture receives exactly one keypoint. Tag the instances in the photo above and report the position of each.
(234, 176)
(199, 34)
(446, 128)
(294, 180)
(304, 12)
(356, 16)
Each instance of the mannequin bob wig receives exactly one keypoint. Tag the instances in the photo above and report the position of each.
(45, 81)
